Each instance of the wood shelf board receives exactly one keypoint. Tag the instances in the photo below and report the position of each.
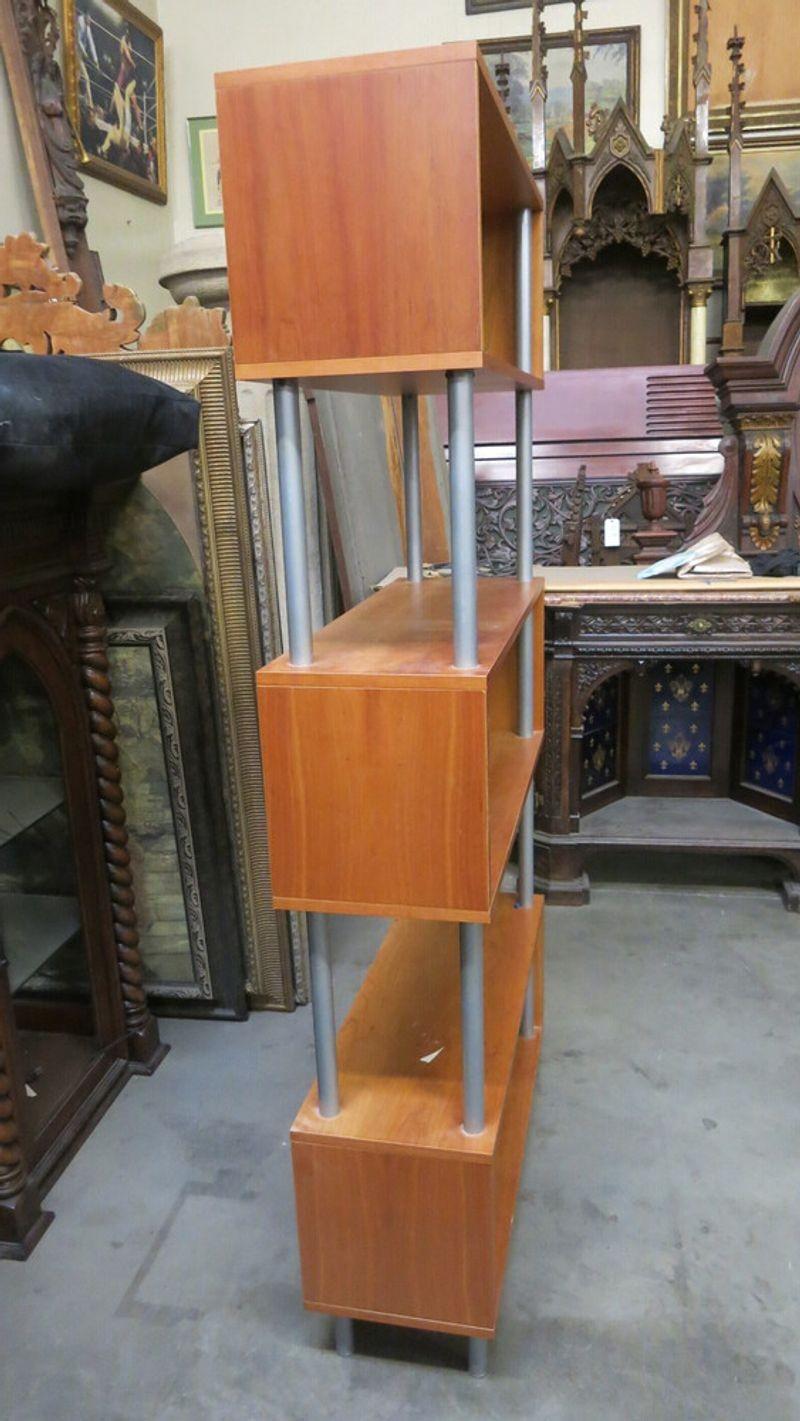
(507, 183)
(395, 375)
(667, 822)
(407, 1009)
(512, 762)
(448, 53)
(511, 1153)
(24, 800)
(403, 635)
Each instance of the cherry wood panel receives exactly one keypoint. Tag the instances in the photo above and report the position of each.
(403, 635)
(377, 797)
(355, 192)
(402, 1217)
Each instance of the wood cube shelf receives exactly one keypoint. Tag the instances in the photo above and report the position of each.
(403, 1218)
(395, 782)
(370, 211)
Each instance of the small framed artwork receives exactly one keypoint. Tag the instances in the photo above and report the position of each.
(114, 72)
(612, 72)
(205, 172)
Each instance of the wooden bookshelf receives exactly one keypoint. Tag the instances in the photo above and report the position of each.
(395, 782)
(402, 1216)
(381, 224)
(391, 261)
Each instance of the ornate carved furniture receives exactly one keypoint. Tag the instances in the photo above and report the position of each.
(400, 743)
(676, 689)
(626, 224)
(74, 1018)
(188, 626)
(756, 503)
(761, 253)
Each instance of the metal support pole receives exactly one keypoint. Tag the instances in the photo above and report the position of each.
(322, 1010)
(463, 551)
(413, 499)
(478, 1356)
(293, 521)
(343, 1335)
(470, 937)
(524, 433)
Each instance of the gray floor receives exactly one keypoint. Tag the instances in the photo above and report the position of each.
(655, 1266)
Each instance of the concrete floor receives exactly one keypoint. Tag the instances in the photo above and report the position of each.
(655, 1265)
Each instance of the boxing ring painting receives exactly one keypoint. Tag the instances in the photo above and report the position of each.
(114, 70)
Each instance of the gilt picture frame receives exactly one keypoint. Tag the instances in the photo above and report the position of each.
(114, 78)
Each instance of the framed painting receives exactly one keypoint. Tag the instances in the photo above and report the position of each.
(205, 172)
(487, 7)
(612, 65)
(114, 71)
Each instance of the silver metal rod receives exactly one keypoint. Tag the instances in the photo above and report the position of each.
(525, 851)
(343, 1335)
(471, 950)
(524, 286)
(463, 550)
(322, 1009)
(293, 521)
(528, 1024)
(478, 1356)
(525, 886)
(411, 481)
(525, 671)
(524, 398)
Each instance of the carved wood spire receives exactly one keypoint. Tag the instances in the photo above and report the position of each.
(538, 85)
(578, 80)
(701, 78)
(733, 325)
(735, 47)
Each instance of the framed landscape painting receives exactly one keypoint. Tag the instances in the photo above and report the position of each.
(114, 72)
(612, 64)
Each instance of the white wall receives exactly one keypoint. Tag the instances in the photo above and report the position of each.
(250, 32)
(17, 212)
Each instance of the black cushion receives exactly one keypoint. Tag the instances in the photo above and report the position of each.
(68, 422)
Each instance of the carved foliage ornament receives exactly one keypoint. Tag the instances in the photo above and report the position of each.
(39, 311)
(766, 468)
(631, 224)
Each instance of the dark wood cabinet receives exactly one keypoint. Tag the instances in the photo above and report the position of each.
(74, 1019)
(673, 713)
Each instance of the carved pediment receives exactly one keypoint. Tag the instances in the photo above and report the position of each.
(772, 221)
(620, 141)
(679, 170)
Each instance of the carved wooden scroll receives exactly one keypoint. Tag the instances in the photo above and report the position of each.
(39, 311)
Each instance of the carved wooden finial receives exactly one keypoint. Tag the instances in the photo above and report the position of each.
(735, 46)
(538, 66)
(578, 77)
(701, 73)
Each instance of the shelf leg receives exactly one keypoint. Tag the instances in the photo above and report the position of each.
(478, 1356)
(411, 482)
(319, 955)
(471, 951)
(293, 521)
(343, 1335)
(463, 550)
(524, 437)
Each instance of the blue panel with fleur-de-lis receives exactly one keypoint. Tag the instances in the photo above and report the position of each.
(770, 737)
(681, 719)
(600, 737)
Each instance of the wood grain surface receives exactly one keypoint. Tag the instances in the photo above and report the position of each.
(356, 193)
(402, 1217)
